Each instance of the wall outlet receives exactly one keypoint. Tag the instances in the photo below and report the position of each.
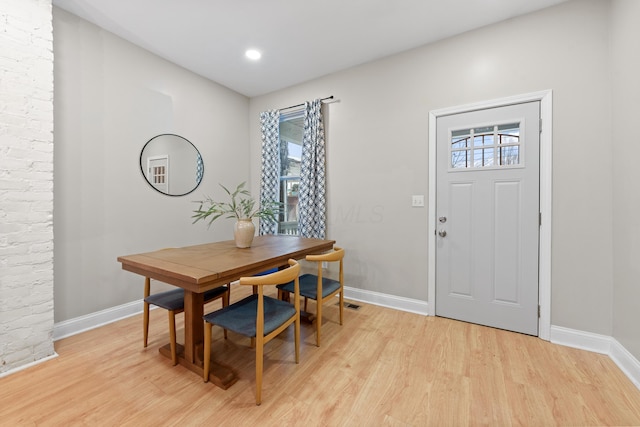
(417, 200)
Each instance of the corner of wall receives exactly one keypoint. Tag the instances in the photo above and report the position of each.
(26, 188)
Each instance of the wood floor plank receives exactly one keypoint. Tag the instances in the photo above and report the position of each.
(382, 367)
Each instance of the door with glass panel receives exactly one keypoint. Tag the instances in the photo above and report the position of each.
(487, 208)
(158, 172)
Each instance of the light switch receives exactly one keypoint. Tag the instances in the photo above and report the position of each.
(417, 200)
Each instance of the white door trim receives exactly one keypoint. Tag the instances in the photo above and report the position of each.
(546, 137)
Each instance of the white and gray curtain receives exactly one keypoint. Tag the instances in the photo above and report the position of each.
(312, 202)
(270, 183)
(311, 198)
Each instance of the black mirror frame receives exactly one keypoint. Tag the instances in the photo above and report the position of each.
(200, 172)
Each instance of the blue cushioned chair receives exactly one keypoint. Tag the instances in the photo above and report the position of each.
(259, 317)
(173, 302)
(312, 285)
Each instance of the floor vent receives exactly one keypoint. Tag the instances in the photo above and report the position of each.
(350, 305)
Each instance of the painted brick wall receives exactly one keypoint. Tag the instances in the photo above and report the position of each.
(26, 182)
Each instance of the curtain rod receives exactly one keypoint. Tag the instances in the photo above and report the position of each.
(302, 105)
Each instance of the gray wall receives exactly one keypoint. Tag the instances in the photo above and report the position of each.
(111, 97)
(626, 174)
(377, 136)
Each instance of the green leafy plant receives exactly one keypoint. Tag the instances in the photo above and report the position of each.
(241, 206)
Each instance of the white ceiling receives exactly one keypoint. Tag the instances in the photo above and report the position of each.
(299, 39)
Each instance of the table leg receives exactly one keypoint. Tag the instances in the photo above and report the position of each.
(193, 325)
(305, 316)
(190, 355)
(220, 375)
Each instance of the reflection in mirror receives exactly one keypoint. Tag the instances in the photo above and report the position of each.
(171, 164)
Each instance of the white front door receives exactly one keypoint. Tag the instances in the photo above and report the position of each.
(158, 172)
(487, 214)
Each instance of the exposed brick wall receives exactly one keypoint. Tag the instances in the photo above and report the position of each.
(26, 182)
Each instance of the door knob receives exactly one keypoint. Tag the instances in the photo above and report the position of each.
(442, 233)
(442, 219)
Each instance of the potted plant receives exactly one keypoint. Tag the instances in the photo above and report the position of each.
(293, 192)
(242, 207)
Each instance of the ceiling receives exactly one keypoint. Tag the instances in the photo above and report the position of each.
(299, 39)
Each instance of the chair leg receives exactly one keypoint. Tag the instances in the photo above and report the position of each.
(318, 320)
(297, 338)
(207, 350)
(305, 303)
(145, 323)
(226, 298)
(172, 336)
(283, 295)
(341, 304)
(259, 365)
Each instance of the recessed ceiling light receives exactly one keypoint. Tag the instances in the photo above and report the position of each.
(253, 54)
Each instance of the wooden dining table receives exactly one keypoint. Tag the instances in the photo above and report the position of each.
(199, 268)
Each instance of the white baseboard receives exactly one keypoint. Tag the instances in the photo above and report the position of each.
(28, 365)
(599, 344)
(625, 361)
(90, 321)
(385, 300)
(579, 339)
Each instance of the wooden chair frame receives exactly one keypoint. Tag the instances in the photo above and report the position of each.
(336, 255)
(283, 276)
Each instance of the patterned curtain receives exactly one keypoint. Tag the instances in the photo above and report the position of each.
(270, 184)
(311, 202)
(199, 169)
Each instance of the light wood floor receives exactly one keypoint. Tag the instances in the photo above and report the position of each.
(383, 367)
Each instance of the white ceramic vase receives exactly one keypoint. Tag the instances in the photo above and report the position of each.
(243, 232)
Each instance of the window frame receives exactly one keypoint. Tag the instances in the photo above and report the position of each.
(470, 148)
(284, 226)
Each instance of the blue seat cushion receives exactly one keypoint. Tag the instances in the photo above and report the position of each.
(174, 300)
(240, 317)
(309, 286)
(264, 273)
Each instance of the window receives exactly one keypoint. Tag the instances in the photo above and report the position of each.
(293, 170)
(291, 131)
(486, 147)
(158, 174)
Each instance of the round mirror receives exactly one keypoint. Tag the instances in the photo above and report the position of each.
(171, 164)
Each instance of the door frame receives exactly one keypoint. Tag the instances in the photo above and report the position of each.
(544, 240)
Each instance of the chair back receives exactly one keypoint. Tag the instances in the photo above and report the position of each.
(334, 256)
(277, 278)
(282, 276)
